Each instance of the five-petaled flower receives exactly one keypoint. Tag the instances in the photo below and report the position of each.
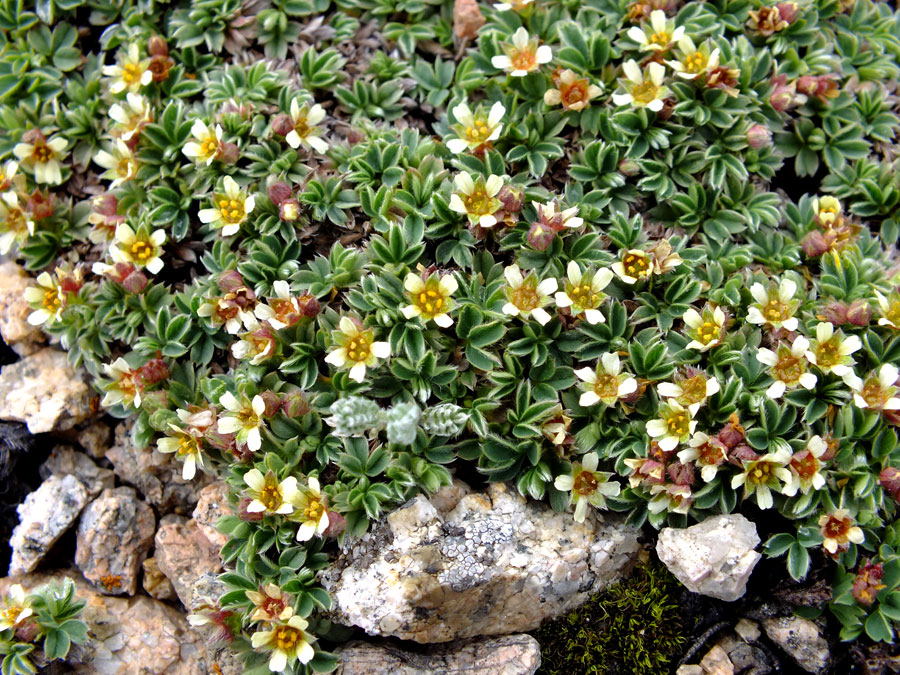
(46, 300)
(787, 366)
(878, 391)
(707, 452)
(674, 425)
(690, 390)
(672, 497)
(692, 61)
(806, 468)
(206, 144)
(142, 249)
(890, 309)
(658, 35)
(634, 266)
(42, 156)
(288, 642)
(15, 223)
(270, 603)
(243, 417)
(583, 292)
(474, 130)
(355, 346)
(587, 485)
(775, 305)
(477, 199)
(121, 165)
(642, 88)
(185, 444)
(230, 208)
(256, 345)
(17, 608)
(606, 383)
(830, 351)
(763, 475)
(573, 92)
(527, 296)
(838, 531)
(705, 329)
(284, 309)
(130, 117)
(522, 56)
(268, 495)
(131, 72)
(124, 387)
(430, 297)
(309, 510)
(306, 131)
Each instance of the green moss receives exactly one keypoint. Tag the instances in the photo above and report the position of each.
(635, 627)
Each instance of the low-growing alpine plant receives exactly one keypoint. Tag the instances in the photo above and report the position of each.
(637, 256)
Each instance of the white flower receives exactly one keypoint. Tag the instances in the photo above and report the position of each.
(660, 35)
(124, 387)
(356, 346)
(527, 296)
(774, 305)
(642, 91)
(475, 129)
(230, 208)
(244, 419)
(17, 608)
(43, 157)
(587, 485)
(830, 351)
(309, 510)
(288, 641)
(130, 72)
(186, 447)
(890, 309)
(761, 476)
(693, 61)
(705, 330)
(46, 299)
(522, 56)
(634, 266)
(141, 249)
(877, 392)
(430, 298)
(206, 143)
(691, 392)
(706, 452)
(305, 131)
(806, 468)
(15, 224)
(477, 199)
(673, 426)
(268, 495)
(787, 366)
(131, 117)
(606, 383)
(583, 293)
(121, 165)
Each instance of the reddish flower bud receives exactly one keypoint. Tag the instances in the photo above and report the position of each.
(135, 281)
(868, 583)
(28, 630)
(160, 66)
(732, 433)
(784, 95)
(336, 524)
(759, 136)
(890, 481)
(294, 404)
(788, 11)
(282, 124)
(681, 474)
(40, 204)
(273, 403)
(230, 281)
(289, 210)
(814, 244)
(279, 192)
(157, 46)
(835, 312)
(228, 153)
(154, 371)
(105, 204)
(309, 306)
(540, 236)
(33, 136)
(807, 84)
(859, 313)
(742, 453)
(511, 198)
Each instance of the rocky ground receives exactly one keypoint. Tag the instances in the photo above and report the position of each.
(450, 584)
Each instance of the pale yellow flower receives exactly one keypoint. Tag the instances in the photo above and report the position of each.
(121, 165)
(44, 158)
(287, 641)
(522, 56)
(430, 298)
(309, 510)
(356, 347)
(131, 72)
(268, 495)
(230, 208)
(642, 88)
(205, 144)
(306, 130)
(142, 249)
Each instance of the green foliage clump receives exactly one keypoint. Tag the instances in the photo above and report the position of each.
(635, 627)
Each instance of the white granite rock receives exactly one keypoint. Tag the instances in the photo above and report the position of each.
(44, 517)
(45, 392)
(713, 558)
(64, 461)
(493, 565)
(802, 640)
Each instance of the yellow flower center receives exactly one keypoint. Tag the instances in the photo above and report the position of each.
(478, 203)
(775, 310)
(142, 250)
(187, 446)
(875, 395)
(707, 332)
(15, 220)
(828, 353)
(693, 390)
(585, 484)
(209, 146)
(286, 638)
(637, 266)
(525, 298)
(694, 63)
(248, 418)
(709, 455)
(430, 301)
(301, 126)
(232, 210)
(607, 386)
(478, 133)
(789, 368)
(358, 349)
(314, 510)
(524, 60)
(761, 473)
(837, 528)
(584, 296)
(645, 92)
(131, 73)
(679, 424)
(270, 497)
(42, 152)
(893, 313)
(51, 300)
(124, 167)
(661, 38)
(806, 465)
(11, 614)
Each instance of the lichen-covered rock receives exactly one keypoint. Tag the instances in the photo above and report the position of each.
(44, 517)
(714, 558)
(65, 461)
(95, 438)
(212, 504)
(801, 639)
(128, 636)
(114, 535)
(184, 555)
(155, 582)
(491, 566)
(156, 475)
(14, 310)
(506, 655)
(43, 391)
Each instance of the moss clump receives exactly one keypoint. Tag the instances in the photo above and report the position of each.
(633, 627)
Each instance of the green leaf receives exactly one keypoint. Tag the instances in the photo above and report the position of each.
(878, 627)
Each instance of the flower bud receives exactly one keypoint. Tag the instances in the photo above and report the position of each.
(273, 403)
(33, 136)
(867, 583)
(228, 153)
(511, 198)
(279, 192)
(759, 136)
(151, 401)
(807, 84)
(788, 11)
(680, 473)
(732, 433)
(40, 204)
(248, 516)
(230, 281)
(309, 306)
(835, 313)
(28, 630)
(336, 524)
(814, 244)
(282, 124)
(890, 481)
(154, 371)
(859, 313)
(293, 404)
(289, 210)
(157, 46)
(742, 453)
(135, 281)
(160, 66)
